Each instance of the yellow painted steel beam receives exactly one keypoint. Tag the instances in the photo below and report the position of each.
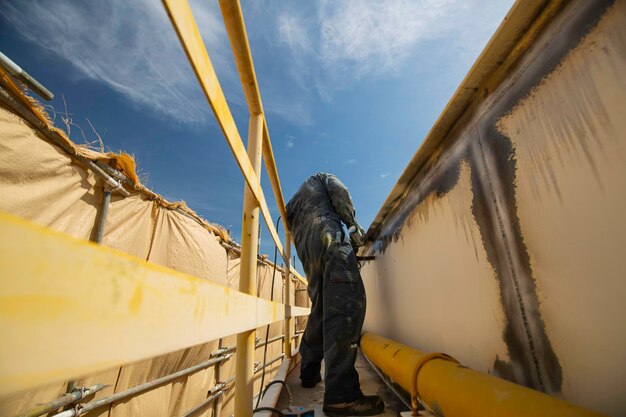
(299, 277)
(244, 371)
(287, 331)
(236, 29)
(189, 35)
(70, 307)
(450, 389)
(296, 311)
(272, 174)
(182, 18)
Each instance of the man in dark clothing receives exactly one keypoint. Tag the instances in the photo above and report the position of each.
(334, 326)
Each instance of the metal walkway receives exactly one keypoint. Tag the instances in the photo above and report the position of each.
(313, 398)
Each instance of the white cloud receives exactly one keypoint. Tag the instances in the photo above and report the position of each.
(290, 143)
(282, 102)
(129, 46)
(344, 41)
(376, 36)
(293, 33)
(322, 47)
(359, 37)
(385, 175)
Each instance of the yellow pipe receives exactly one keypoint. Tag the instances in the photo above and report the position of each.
(449, 389)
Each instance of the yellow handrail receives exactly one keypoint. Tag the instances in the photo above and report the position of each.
(236, 29)
(184, 23)
(63, 298)
(259, 146)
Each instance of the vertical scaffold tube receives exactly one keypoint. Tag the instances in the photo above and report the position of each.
(288, 291)
(102, 215)
(244, 374)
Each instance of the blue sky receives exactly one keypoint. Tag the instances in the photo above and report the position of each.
(349, 87)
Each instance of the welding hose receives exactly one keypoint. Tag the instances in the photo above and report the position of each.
(273, 410)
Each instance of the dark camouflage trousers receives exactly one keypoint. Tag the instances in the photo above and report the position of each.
(338, 310)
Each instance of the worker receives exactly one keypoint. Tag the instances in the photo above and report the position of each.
(327, 253)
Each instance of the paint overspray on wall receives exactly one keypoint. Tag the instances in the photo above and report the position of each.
(554, 112)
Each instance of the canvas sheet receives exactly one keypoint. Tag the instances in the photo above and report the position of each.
(41, 182)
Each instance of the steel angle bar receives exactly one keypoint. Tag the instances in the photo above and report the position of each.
(399, 392)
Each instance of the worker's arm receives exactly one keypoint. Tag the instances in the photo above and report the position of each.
(342, 203)
(339, 197)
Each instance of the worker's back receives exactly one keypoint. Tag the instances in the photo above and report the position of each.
(310, 202)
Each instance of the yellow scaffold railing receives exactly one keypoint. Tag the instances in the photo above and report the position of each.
(259, 147)
(155, 310)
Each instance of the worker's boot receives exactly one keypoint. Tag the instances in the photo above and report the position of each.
(368, 405)
(311, 383)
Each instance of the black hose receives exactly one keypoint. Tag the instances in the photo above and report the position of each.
(278, 381)
(273, 410)
(267, 329)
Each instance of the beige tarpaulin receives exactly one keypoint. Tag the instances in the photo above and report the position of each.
(42, 182)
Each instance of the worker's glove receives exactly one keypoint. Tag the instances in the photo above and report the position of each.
(357, 236)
